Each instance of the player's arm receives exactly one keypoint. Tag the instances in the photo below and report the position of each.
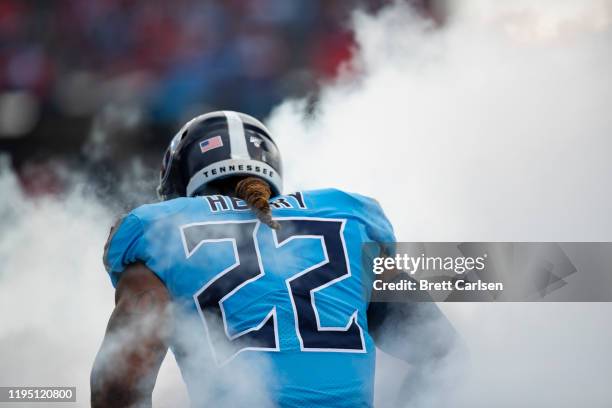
(135, 342)
(407, 324)
(417, 332)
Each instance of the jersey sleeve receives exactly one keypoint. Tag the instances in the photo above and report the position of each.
(378, 227)
(125, 245)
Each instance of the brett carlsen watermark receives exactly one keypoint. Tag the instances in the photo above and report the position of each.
(417, 265)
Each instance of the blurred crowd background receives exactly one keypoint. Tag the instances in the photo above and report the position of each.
(96, 83)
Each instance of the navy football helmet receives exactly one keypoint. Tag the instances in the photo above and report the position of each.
(215, 146)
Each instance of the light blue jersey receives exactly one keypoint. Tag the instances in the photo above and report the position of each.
(291, 301)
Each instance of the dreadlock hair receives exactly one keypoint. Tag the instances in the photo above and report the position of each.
(256, 192)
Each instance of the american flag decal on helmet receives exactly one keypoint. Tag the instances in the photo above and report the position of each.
(210, 143)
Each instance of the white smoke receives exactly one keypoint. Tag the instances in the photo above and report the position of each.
(55, 296)
(468, 132)
(495, 126)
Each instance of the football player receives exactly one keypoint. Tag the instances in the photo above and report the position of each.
(252, 289)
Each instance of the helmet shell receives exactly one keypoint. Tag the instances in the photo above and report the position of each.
(219, 145)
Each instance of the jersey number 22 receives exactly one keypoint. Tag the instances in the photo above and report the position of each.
(247, 267)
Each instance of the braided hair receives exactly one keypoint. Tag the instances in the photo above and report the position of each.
(256, 192)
